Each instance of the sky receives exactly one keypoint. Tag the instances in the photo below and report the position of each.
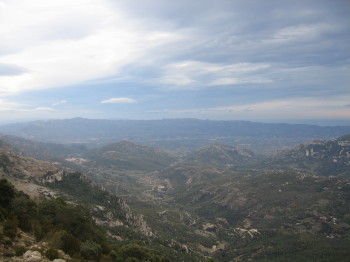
(256, 60)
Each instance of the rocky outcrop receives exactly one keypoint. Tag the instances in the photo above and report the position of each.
(246, 232)
(136, 221)
(52, 177)
(33, 256)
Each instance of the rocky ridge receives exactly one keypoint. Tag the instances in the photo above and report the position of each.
(320, 157)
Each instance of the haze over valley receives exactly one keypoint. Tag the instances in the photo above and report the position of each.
(189, 131)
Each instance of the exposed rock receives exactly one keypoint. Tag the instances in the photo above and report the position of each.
(213, 249)
(108, 223)
(136, 221)
(33, 256)
(209, 227)
(53, 177)
(246, 232)
(63, 256)
(184, 248)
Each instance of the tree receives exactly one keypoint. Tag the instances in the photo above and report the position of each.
(90, 250)
(7, 193)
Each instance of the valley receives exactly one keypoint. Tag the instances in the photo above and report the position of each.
(210, 202)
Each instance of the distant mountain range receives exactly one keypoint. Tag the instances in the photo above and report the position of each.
(180, 135)
(320, 157)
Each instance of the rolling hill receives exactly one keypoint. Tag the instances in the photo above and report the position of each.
(128, 156)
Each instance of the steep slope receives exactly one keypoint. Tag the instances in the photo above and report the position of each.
(44, 151)
(16, 166)
(222, 156)
(129, 156)
(320, 157)
(41, 179)
(55, 230)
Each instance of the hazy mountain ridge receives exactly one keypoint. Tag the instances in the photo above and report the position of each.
(174, 134)
(129, 156)
(220, 155)
(15, 165)
(320, 157)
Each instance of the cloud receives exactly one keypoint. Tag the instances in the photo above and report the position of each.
(222, 57)
(11, 70)
(59, 103)
(300, 108)
(199, 74)
(9, 106)
(301, 32)
(90, 41)
(119, 100)
(42, 109)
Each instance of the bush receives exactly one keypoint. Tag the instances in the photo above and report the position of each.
(135, 252)
(25, 211)
(20, 250)
(90, 250)
(8, 242)
(10, 228)
(51, 253)
(7, 193)
(66, 242)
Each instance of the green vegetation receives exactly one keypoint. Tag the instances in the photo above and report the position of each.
(290, 247)
(188, 211)
(64, 226)
(129, 156)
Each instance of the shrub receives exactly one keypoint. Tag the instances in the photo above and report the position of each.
(90, 250)
(10, 228)
(20, 250)
(67, 242)
(51, 253)
(7, 193)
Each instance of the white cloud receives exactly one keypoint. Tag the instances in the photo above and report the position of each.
(9, 106)
(300, 32)
(90, 41)
(298, 108)
(119, 100)
(6, 106)
(194, 74)
(42, 109)
(59, 103)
